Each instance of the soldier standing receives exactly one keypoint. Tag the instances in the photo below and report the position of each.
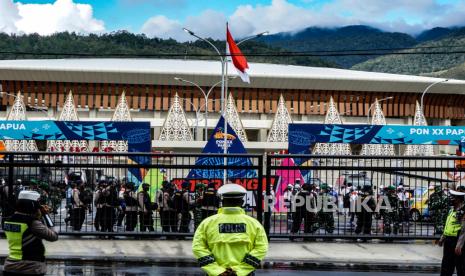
(391, 216)
(438, 204)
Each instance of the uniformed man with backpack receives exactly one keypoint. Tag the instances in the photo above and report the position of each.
(182, 205)
(131, 203)
(146, 209)
(210, 202)
(98, 203)
(161, 204)
(108, 201)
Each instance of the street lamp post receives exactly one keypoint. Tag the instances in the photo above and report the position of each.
(426, 90)
(224, 73)
(371, 106)
(205, 95)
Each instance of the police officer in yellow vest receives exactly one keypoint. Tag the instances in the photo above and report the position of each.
(25, 231)
(230, 242)
(453, 237)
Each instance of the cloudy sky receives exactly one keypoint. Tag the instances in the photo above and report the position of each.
(165, 18)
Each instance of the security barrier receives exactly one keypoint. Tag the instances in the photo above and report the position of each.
(350, 197)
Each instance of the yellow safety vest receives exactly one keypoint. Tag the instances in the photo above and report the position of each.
(453, 226)
(230, 239)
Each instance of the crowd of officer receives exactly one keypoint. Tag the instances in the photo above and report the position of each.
(392, 205)
(116, 203)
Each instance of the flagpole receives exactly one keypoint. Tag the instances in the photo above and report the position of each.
(223, 105)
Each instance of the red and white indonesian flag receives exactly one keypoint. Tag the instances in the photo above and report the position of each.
(238, 59)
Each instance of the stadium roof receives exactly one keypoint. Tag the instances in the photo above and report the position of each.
(162, 71)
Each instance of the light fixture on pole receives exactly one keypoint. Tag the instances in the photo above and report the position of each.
(223, 86)
(205, 95)
(371, 106)
(426, 90)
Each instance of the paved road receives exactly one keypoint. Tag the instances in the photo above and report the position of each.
(190, 271)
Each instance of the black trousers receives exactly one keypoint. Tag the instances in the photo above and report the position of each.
(450, 261)
(107, 219)
(364, 221)
(77, 218)
(185, 221)
(309, 218)
(169, 221)
(131, 220)
(98, 219)
(146, 222)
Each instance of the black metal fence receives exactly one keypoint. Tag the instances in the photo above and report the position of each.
(336, 196)
(92, 194)
(373, 197)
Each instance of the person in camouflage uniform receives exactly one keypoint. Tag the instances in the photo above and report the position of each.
(199, 188)
(438, 205)
(391, 216)
(326, 215)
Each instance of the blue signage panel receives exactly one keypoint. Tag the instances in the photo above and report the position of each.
(136, 133)
(302, 136)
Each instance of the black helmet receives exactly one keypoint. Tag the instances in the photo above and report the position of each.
(130, 185)
(185, 185)
(367, 189)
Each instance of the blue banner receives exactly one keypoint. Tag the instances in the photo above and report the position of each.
(215, 145)
(302, 136)
(136, 133)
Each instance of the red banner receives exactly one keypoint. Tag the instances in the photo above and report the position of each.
(250, 184)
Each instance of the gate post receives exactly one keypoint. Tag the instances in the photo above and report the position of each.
(260, 190)
(267, 223)
(11, 171)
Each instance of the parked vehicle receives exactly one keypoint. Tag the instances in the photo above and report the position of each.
(419, 202)
(357, 179)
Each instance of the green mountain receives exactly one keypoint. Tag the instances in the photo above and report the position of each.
(457, 72)
(125, 44)
(340, 39)
(428, 58)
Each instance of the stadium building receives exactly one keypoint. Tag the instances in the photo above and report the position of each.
(150, 87)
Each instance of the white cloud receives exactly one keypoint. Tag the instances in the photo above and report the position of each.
(284, 16)
(209, 23)
(9, 15)
(46, 19)
(162, 27)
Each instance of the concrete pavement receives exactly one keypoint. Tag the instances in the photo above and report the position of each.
(312, 254)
